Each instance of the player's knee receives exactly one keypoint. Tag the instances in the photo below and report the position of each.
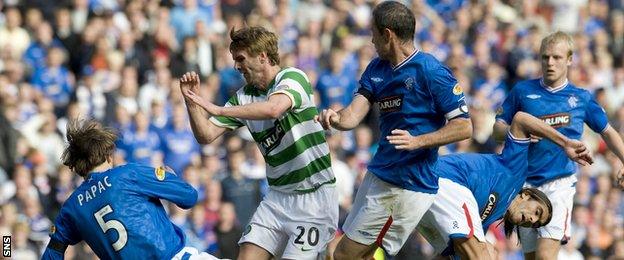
(547, 254)
(341, 252)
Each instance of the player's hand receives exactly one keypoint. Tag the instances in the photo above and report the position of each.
(189, 82)
(578, 152)
(620, 178)
(327, 118)
(403, 140)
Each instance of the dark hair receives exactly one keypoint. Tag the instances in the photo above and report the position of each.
(256, 40)
(396, 17)
(90, 144)
(536, 195)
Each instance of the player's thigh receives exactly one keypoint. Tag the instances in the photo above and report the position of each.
(454, 215)
(561, 195)
(265, 228)
(310, 223)
(349, 249)
(547, 248)
(384, 214)
(249, 251)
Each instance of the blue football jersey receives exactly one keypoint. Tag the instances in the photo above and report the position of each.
(118, 213)
(565, 108)
(493, 179)
(418, 95)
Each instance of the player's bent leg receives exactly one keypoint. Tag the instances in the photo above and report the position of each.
(547, 249)
(529, 256)
(349, 249)
(471, 248)
(249, 251)
(382, 215)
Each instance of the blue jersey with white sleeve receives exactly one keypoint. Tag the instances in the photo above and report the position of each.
(118, 213)
(565, 108)
(418, 95)
(493, 179)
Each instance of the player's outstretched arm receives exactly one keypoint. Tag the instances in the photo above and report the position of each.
(500, 131)
(204, 131)
(525, 125)
(456, 129)
(348, 117)
(51, 254)
(615, 144)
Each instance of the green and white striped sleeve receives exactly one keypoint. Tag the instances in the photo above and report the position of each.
(226, 121)
(296, 86)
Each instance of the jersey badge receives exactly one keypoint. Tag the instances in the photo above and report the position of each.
(409, 83)
(457, 89)
(160, 173)
(572, 101)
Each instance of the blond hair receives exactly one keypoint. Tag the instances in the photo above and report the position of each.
(558, 37)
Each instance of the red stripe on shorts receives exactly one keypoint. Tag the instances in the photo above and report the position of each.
(565, 226)
(383, 232)
(469, 220)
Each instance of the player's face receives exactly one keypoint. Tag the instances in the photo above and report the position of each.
(249, 66)
(555, 62)
(380, 43)
(529, 213)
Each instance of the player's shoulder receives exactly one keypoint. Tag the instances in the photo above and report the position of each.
(526, 85)
(292, 73)
(580, 91)
(425, 61)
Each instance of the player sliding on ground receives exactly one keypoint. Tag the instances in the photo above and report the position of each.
(478, 189)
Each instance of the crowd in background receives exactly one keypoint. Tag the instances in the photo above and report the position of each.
(118, 61)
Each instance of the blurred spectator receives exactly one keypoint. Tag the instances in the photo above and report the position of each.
(228, 232)
(13, 38)
(244, 193)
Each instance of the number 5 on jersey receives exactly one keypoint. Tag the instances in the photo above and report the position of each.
(114, 224)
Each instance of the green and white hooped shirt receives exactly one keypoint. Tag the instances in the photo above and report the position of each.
(293, 146)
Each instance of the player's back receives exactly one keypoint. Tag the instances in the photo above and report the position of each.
(117, 213)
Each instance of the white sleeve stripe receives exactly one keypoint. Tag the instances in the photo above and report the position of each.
(605, 128)
(216, 122)
(296, 86)
(518, 140)
(290, 96)
(454, 113)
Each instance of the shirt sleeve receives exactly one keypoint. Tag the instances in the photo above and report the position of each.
(448, 95)
(296, 86)
(164, 184)
(227, 121)
(366, 85)
(62, 234)
(510, 106)
(595, 116)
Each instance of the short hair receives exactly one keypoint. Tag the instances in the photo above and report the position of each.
(396, 17)
(557, 37)
(90, 144)
(256, 40)
(536, 195)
